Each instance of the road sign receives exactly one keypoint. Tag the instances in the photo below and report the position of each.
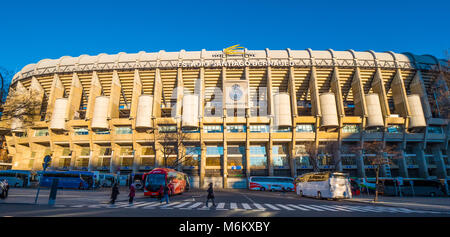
(47, 160)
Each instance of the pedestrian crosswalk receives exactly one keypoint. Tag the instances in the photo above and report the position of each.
(234, 206)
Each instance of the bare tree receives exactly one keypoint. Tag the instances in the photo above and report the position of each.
(5, 79)
(172, 146)
(21, 107)
(440, 94)
(381, 155)
(315, 154)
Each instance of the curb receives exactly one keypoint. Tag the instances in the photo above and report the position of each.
(388, 204)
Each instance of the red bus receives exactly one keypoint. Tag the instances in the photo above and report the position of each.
(178, 181)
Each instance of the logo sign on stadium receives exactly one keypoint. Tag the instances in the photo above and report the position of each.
(235, 94)
(234, 51)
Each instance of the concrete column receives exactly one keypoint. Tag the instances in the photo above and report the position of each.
(202, 165)
(421, 161)
(360, 165)
(225, 164)
(292, 163)
(270, 157)
(402, 166)
(439, 161)
(56, 91)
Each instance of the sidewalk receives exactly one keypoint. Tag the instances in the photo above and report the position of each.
(64, 196)
(424, 203)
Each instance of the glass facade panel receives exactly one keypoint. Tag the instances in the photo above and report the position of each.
(105, 151)
(85, 151)
(124, 130)
(304, 128)
(234, 161)
(81, 131)
(214, 150)
(302, 161)
(212, 128)
(435, 129)
(259, 128)
(351, 128)
(147, 151)
(101, 132)
(126, 151)
(258, 162)
(394, 128)
(213, 161)
(167, 128)
(278, 129)
(41, 132)
(148, 161)
(236, 128)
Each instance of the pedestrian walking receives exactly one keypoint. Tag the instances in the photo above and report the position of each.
(4, 188)
(166, 194)
(114, 193)
(210, 195)
(132, 193)
(7, 187)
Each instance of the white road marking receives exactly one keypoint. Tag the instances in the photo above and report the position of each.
(233, 206)
(285, 207)
(194, 205)
(182, 204)
(309, 207)
(140, 204)
(260, 208)
(246, 206)
(153, 205)
(272, 206)
(167, 206)
(297, 207)
(324, 207)
(220, 205)
(340, 208)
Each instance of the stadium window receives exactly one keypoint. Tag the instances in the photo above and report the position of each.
(236, 128)
(124, 130)
(351, 128)
(394, 128)
(81, 131)
(259, 128)
(101, 132)
(41, 132)
(167, 128)
(213, 128)
(304, 128)
(282, 129)
(435, 129)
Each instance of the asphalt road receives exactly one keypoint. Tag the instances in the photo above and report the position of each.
(230, 203)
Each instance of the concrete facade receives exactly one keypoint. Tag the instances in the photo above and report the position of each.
(236, 136)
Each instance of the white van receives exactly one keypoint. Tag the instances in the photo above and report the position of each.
(323, 185)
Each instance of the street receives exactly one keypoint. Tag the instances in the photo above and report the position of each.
(230, 203)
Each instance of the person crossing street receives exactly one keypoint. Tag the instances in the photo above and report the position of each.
(210, 195)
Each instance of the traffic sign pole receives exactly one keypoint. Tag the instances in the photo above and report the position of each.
(47, 160)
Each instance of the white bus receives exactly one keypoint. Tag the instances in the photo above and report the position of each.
(323, 185)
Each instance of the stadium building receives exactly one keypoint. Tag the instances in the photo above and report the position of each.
(242, 112)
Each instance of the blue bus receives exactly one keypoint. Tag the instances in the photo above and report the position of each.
(70, 179)
(18, 178)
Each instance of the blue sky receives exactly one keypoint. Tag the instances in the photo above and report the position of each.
(34, 30)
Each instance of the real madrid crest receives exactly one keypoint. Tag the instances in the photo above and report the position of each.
(236, 92)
